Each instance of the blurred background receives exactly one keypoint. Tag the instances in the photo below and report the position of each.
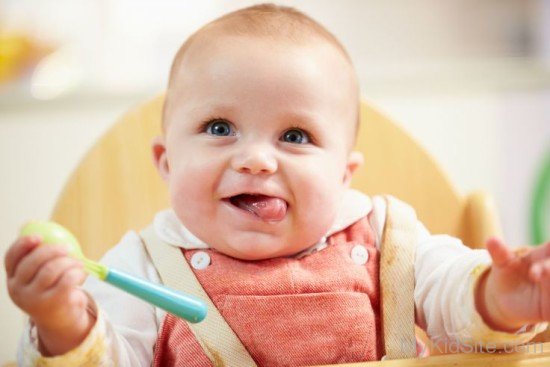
(469, 79)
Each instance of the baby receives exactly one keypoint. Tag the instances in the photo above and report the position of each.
(259, 123)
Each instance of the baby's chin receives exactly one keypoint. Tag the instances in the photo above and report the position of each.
(261, 250)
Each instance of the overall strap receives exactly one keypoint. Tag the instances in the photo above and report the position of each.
(217, 339)
(397, 256)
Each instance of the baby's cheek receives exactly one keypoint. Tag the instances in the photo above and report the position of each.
(315, 217)
(319, 201)
(187, 193)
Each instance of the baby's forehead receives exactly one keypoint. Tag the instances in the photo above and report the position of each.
(206, 48)
(221, 43)
(277, 64)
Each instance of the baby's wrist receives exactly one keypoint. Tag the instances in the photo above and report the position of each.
(487, 307)
(54, 340)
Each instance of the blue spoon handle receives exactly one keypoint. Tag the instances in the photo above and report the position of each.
(185, 306)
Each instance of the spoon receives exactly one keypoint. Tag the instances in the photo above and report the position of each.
(182, 305)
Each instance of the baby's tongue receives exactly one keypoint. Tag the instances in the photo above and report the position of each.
(267, 208)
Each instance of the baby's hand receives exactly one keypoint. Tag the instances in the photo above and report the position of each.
(43, 281)
(516, 290)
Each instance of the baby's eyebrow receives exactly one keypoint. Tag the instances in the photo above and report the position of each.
(201, 112)
(300, 118)
(225, 109)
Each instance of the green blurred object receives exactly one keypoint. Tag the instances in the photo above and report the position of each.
(53, 234)
(540, 206)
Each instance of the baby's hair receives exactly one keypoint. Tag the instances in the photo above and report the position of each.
(263, 20)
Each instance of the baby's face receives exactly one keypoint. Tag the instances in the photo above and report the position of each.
(256, 151)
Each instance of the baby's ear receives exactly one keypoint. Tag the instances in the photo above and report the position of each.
(158, 148)
(355, 160)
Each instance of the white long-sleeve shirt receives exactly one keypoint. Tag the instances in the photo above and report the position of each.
(126, 329)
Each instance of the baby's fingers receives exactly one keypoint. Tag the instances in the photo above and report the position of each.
(72, 278)
(499, 252)
(540, 270)
(29, 265)
(52, 271)
(18, 250)
(540, 253)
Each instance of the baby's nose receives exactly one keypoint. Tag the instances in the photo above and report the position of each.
(254, 160)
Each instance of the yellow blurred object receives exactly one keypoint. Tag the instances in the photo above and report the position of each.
(18, 53)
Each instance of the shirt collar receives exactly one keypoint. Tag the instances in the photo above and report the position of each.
(355, 205)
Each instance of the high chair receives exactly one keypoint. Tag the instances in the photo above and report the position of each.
(116, 188)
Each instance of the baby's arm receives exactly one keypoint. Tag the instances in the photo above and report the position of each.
(447, 277)
(42, 281)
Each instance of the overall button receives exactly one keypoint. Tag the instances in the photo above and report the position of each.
(200, 260)
(359, 254)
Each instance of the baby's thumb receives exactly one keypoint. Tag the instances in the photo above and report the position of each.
(499, 252)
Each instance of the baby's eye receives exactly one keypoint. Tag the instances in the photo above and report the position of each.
(295, 136)
(219, 128)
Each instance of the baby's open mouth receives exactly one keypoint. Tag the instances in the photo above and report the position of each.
(267, 208)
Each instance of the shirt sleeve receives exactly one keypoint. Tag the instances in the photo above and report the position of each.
(126, 328)
(446, 273)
